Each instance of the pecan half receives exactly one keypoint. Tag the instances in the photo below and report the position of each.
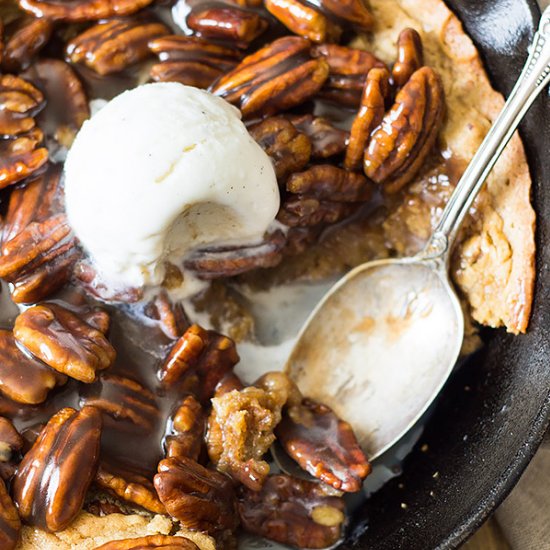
(328, 182)
(354, 12)
(64, 341)
(324, 445)
(410, 57)
(22, 378)
(228, 383)
(307, 211)
(21, 157)
(53, 478)
(240, 432)
(124, 400)
(11, 445)
(19, 102)
(35, 201)
(370, 115)
(304, 20)
(39, 259)
(293, 512)
(150, 542)
(275, 78)
(326, 140)
(201, 355)
(82, 10)
(201, 499)
(130, 486)
(185, 432)
(25, 38)
(112, 46)
(227, 23)
(171, 317)
(289, 149)
(191, 60)
(67, 101)
(399, 147)
(348, 69)
(10, 524)
(214, 263)
(98, 319)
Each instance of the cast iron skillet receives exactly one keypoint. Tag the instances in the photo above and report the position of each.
(495, 410)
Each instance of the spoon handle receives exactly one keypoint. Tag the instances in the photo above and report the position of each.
(533, 79)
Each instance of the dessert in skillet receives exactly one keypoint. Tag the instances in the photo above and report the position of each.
(273, 142)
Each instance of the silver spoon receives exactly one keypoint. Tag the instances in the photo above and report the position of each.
(381, 344)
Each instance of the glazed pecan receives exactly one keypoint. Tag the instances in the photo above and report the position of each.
(324, 445)
(370, 115)
(308, 211)
(128, 485)
(112, 46)
(67, 103)
(191, 60)
(185, 432)
(35, 201)
(53, 478)
(24, 39)
(22, 378)
(304, 20)
(11, 445)
(39, 259)
(19, 102)
(228, 383)
(98, 319)
(10, 524)
(410, 57)
(64, 341)
(226, 23)
(82, 10)
(275, 78)
(171, 317)
(293, 512)
(326, 140)
(151, 542)
(199, 355)
(214, 263)
(240, 432)
(348, 69)
(124, 400)
(22, 156)
(289, 149)
(328, 182)
(353, 12)
(399, 147)
(201, 499)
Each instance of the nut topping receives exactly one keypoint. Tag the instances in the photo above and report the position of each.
(11, 445)
(324, 445)
(275, 78)
(22, 378)
(10, 524)
(399, 147)
(307, 211)
(228, 261)
(353, 12)
(328, 182)
(227, 24)
(151, 542)
(171, 317)
(51, 482)
(304, 20)
(289, 149)
(186, 429)
(369, 117)
(64, 341)
(82, 10)
(112, 46)
(201, 499)
(293, 512)
(201, 355)
(24, 41)
(130, 486)
(410, 57)
(191, 60)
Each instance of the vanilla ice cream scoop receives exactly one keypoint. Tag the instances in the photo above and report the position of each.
(159, 171)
